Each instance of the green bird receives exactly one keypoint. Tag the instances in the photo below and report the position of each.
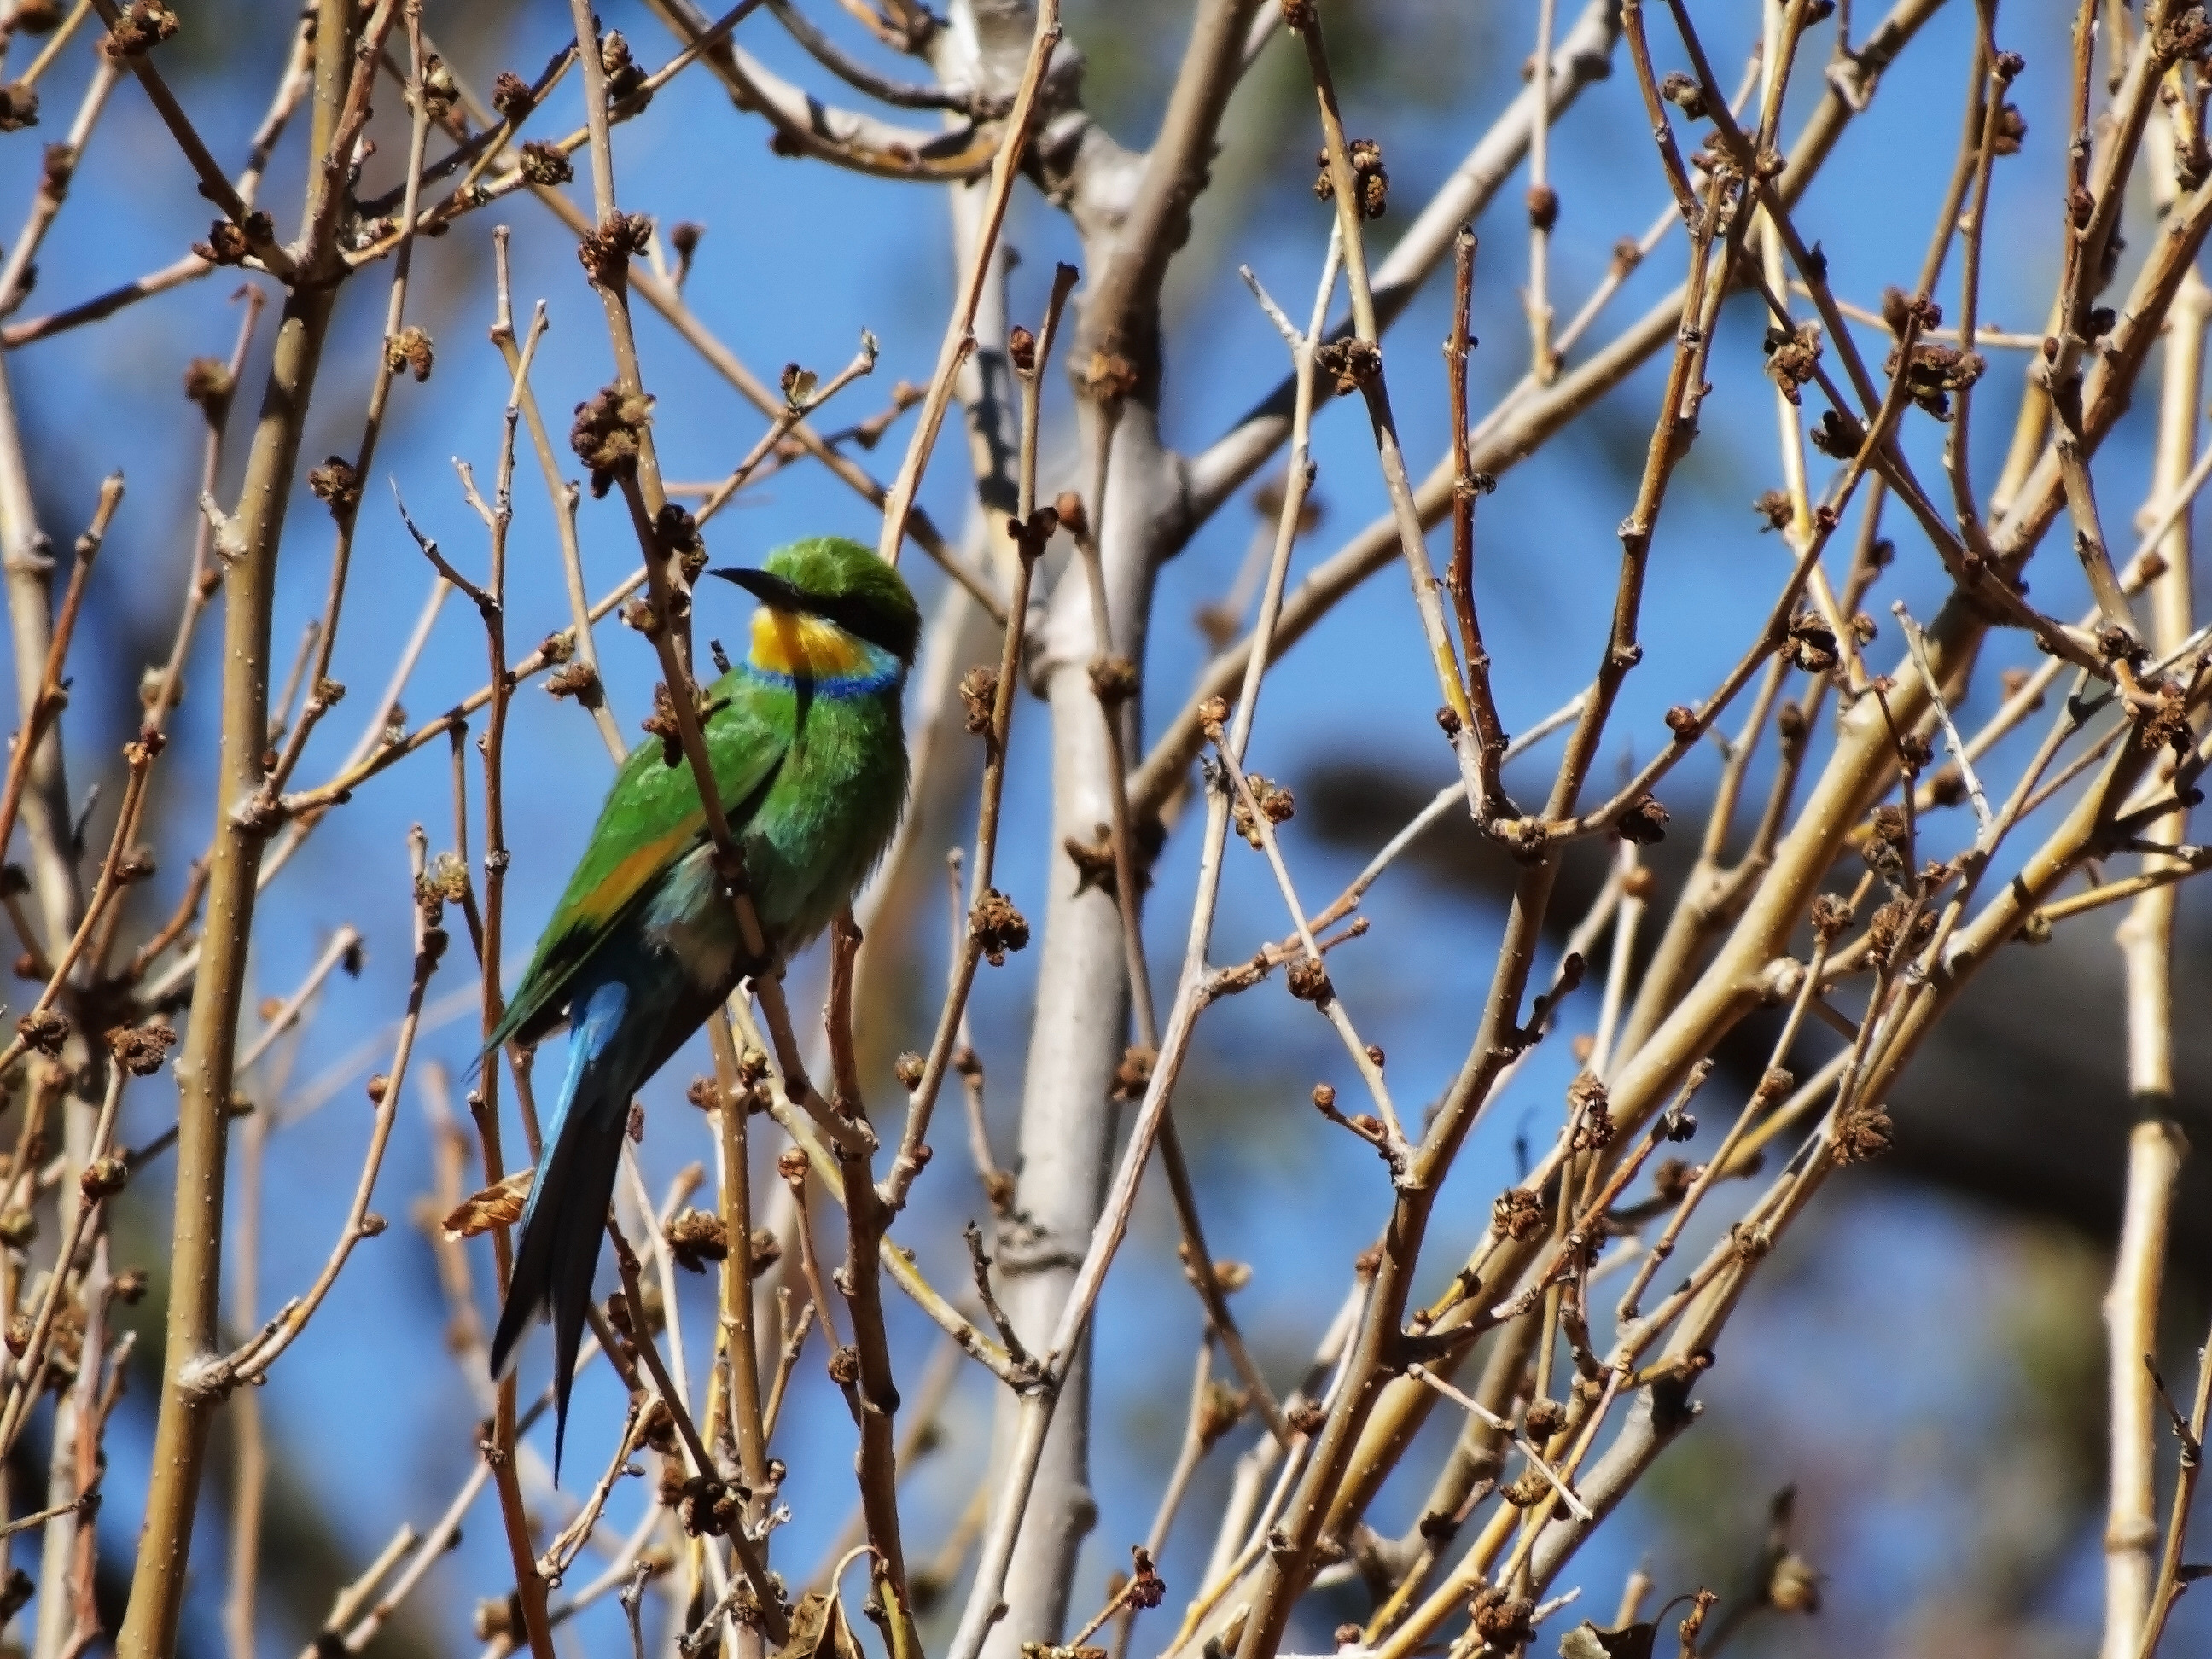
(809, 756)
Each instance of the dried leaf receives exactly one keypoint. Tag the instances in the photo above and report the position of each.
(494, 1207)
(819, 1630)
(1587, 1641)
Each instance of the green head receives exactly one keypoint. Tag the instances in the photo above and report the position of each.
(829, 579)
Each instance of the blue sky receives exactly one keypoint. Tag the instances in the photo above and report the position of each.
(796, 260)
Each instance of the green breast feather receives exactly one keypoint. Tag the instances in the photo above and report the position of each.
(651, 820)
(813, 784)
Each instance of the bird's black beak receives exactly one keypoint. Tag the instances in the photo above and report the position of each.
(768, 589)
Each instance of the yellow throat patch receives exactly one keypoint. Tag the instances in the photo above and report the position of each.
(806, 648)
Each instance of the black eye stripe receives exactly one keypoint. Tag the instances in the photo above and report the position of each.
(856, 615)
(858, 618)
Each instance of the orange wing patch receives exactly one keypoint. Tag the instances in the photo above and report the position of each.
(805, 647)
(627, 879)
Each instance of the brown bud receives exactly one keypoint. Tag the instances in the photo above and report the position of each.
(1644, 822)
(696, 1238)
(998, 927)
(410, 349)
(1545, 1418)
(1506, 1622)
(979, 692)
(1309, 981)
(44, 1030)
(141, 1049)
(104, 1177)
(543, 164)
(1862, 1133)
(1518, 1213)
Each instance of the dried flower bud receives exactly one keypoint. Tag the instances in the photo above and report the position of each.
(440, 92)
(544, 165)
(1349, 363)
(140, 1049)
(606, 251)
(1145, 1588)
(45, 1031)
(144, 24)
(998, 927)
(511, 96)
(335, 482)
(1587, 1097)
(1644, 822)
(1114, 680)
(1135, 1074)
(1862, 1133)
(104, 1178)
(696, 1238)
(1309, 981)
(1885, 845)
(978, 696)
(1518, 1213)
(577, 680)
(1545, 1418)
(608, 433)
(1683, 92)
(1276, 804)
(763, 1252)
(1221, 1409)
(1506, 1622)
(410, 349)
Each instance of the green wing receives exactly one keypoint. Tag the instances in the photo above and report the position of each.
(652, 819)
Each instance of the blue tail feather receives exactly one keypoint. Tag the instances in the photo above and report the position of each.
(566, 1212)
